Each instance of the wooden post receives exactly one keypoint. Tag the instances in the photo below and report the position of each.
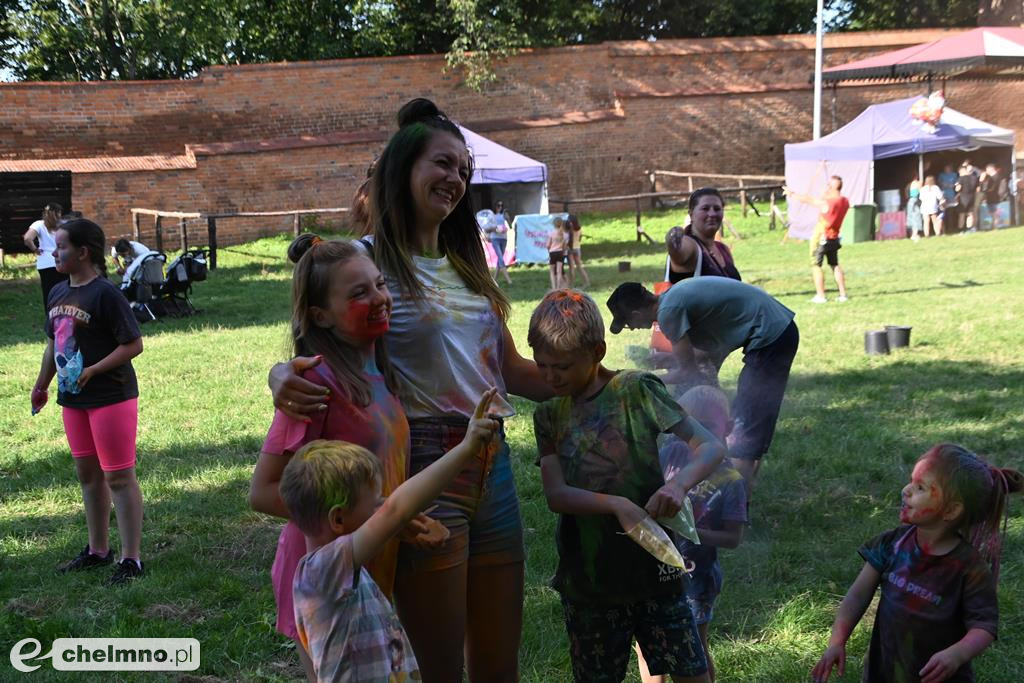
(211, 237)
(183, 230)
(743, 198)
(136, 226)
(654, 188)
(641, 235)
(771, 209)
(3, 259)
(295, 224)
(639, 230)
(689, 183)
(159, 233)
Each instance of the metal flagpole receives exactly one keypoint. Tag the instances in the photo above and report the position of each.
(819, 39)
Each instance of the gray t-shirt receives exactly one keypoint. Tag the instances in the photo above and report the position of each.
(720, 315)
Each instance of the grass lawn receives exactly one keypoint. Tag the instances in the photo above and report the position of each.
(850, 430)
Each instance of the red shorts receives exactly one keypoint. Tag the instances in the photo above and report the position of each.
(107, 432)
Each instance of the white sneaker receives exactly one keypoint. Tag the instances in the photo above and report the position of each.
(842, 299)
(819, 300)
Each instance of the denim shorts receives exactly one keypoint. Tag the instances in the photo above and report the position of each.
(499, 250)
(480, 507)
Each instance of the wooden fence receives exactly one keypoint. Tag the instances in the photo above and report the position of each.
(741, 189)
(184, 217)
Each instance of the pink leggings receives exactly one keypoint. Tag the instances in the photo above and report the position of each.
(108, 432)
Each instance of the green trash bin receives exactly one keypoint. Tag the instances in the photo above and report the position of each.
(859, 223)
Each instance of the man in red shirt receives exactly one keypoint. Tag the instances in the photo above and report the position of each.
(825, 241)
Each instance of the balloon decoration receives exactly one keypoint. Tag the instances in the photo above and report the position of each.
(927, 111)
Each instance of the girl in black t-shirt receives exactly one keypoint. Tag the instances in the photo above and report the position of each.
(937, 573)
(93, 336)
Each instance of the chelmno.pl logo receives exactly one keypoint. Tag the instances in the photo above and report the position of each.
(109, 654)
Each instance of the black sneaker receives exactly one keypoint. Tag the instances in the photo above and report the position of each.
(86, 560)
(127, 571)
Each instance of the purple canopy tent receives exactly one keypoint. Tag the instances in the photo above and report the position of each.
(501, 174)
(517, 180)
(881, 131)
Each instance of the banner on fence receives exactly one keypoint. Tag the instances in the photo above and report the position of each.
(892, 225)
(531, 235)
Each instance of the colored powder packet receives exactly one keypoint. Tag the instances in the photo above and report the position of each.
(683, 523)
(652, 538)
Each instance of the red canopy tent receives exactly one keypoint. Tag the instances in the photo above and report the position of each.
(988, 51)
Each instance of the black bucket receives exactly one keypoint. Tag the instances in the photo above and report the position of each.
(876, 342)
(898, 336)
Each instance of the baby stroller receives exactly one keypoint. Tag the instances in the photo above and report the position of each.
(188, 268)
(141, 282)
(169, 296)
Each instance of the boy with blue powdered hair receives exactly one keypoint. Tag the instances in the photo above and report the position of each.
(598, 453)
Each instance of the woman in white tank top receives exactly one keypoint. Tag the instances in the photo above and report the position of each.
(448, 342)
(39, 238)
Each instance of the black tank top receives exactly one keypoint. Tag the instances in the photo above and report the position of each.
(708, 265)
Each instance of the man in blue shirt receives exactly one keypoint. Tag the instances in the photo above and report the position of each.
(706, 319)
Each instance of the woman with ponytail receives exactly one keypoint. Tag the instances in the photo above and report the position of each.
(93, 337)
(40, 239)
(448, 343)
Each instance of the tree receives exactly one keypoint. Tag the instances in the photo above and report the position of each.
(118, 39)
(870, 15)
(7, 35)
(290, 30)
(1000, 12)
(629, 20)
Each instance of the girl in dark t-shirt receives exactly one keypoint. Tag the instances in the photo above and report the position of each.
(93, 335)
(938, 607)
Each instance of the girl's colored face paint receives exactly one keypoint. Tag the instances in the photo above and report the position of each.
(359, 304)
(922, 497)
(362, 316)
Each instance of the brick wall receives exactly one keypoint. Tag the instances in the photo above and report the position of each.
(289, 135)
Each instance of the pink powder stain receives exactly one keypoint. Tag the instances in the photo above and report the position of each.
(357, 317)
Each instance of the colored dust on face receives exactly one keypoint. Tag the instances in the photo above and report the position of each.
(363, 323)
(922, 497)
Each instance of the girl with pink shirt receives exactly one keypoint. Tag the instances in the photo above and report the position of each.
(340, 308)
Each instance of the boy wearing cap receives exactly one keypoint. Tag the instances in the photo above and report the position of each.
(708, 318)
